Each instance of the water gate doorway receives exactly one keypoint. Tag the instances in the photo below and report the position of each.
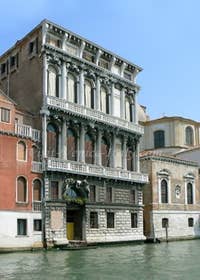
(74, 224)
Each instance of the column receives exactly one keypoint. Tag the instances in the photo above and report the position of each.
(98, 148)
(137, 157)
(122, 104)
(112, 100)
(63, 81)
(113, 150)
(124, 153)
(98, 94)
(81, 49)
(44, 136)
(64, 140)
(135, 110)
(81, 88)
(82, 144)
(123, 66)
(45, 86)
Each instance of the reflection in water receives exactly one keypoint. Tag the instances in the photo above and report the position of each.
(175, 260)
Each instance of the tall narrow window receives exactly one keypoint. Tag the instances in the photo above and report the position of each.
(110, 220)
(89, 149)
(89, 94)
(190, 222)
(5, 115)
(54, 190)
(21, 227)
(190, 194)
(132, 196)
(104, 105)
(71, 145)
(189, 137)
(21, 150)
(52, 140)
(93, 220)
(53, 82)
(159, 139)
(104, 152)
(109, 194)
(134, 220)
(71, 88)
(165, 223)
(92, 193)
(116, 103)
(164, 191)
(37, 190)
(35, 153)
(21, 190)
(130, 157)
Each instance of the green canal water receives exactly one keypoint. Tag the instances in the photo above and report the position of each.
(175, 260)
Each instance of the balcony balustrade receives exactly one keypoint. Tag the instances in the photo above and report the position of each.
(89, 113)
(36, 167)
(27, 131)
(56, 164)
(37, 206)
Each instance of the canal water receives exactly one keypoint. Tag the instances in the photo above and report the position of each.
(175, 260)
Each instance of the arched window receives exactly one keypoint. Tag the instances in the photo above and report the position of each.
(164, 191)
(189, 193)
(52, 140)
(104, 102)
(104, 152)
(21, 189)
(88, 94)
(53, 82)
(71, 88)
(189, 138)
(128, 110)
(21, 150)
(89, 149)
(35, 153)
(37, 190)
(71, 145)
(130, 157)
(159, 139)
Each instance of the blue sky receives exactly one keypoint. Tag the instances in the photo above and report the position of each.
(163, 37)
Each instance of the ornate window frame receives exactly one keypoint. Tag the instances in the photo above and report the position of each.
(164, 174)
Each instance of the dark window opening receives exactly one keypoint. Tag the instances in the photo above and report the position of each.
(159, 139)
(93, 220)
(190, 222)
(110, 220)
(134, 220)
(165, 223)
(21, 227)
(37, 225)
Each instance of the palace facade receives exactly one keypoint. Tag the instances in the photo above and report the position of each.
(83, 99)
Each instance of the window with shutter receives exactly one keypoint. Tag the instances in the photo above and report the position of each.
(52, 140)
(21, 190)
(89, 149)
(21, 151)
(37, 190)
(71, 145)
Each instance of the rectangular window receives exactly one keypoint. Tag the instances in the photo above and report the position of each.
(21, 227)
(92, 193)
(37, 225)
(127, 76)
(5, 115)
(108, 194)
(54, 41)
(165, 223)
(54, 190)
(134, 220)
(190, 222)
(110, 220)
(93, 220)
(3, 68)
(132, 196)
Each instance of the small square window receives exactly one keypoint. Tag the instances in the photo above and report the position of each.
(37, 225)
(110, 220)
(5, 115)
(21, 227)
(190, 222)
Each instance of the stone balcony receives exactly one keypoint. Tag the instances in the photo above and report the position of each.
(56, 164)
(36, 167)
(27, 131)
(91, 114)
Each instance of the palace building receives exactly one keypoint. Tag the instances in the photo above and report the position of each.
(83, 100)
